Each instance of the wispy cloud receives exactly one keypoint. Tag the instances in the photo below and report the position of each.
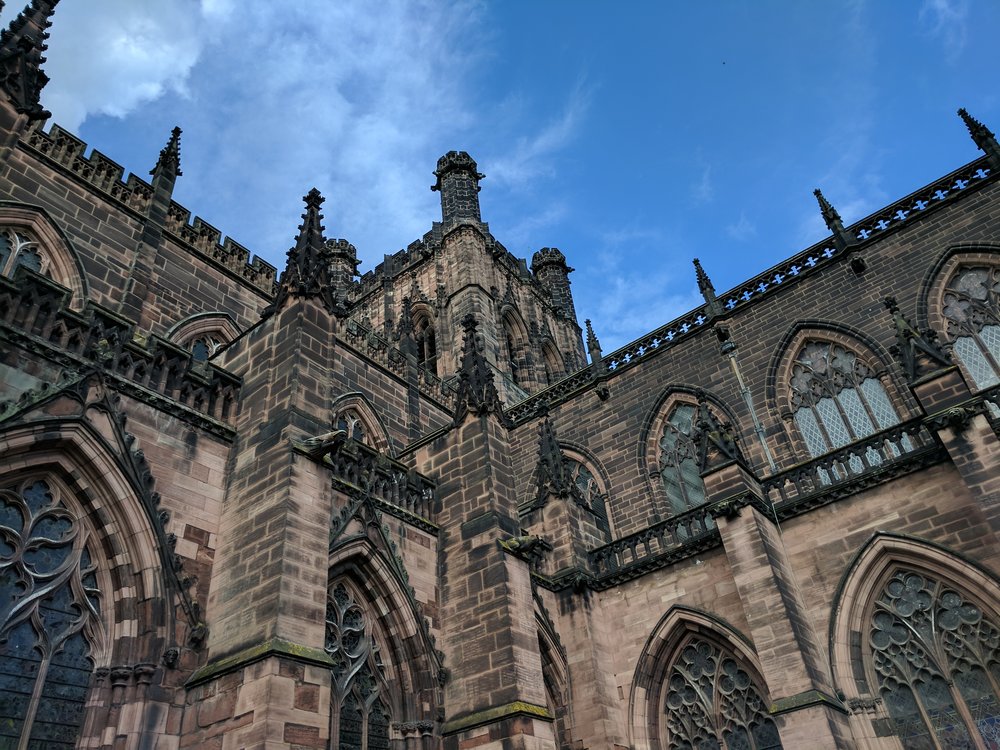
(742, 229)
(704, 190)
(946, 20)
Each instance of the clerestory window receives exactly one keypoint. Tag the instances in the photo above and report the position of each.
(49, 611)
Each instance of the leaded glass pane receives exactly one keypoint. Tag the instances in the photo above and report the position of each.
(879, 402)
(678, 467)
(710, 698)
(833, 422)
(982, 372)
(933, 650)
(857, 418)
(48, 595)
(805, 420)
(991, 337)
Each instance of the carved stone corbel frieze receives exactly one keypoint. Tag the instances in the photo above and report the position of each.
(864, 704)
(144, 673)
(120, 676)
(730, 507)
(529, 548)
(956, 418)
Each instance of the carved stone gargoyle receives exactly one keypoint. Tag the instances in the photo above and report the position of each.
(322, 445)
(529, 548)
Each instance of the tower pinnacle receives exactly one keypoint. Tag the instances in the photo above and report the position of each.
(169, 162)
(21, 48)
(983, 137)
(458, 179)
(833, 222)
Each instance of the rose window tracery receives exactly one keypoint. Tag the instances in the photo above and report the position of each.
(712, 703)
(972, 314)
(936, 657)
(360, 718)
(49, 616)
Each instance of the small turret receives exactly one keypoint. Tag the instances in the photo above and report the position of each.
(343, 268)
(549, 267)
(21, 48)
(983, 137)
(458, 182)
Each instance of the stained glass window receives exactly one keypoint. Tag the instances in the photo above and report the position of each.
(713, 703)
(48, 610)
(937, 660)
(18, 249)
(837, 399)
(361, 716)
(972, 312)
(678, 461)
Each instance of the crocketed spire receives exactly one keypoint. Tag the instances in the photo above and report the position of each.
(169, 163)
(706, 288)
(21, 48)
(918, 352)
(833, 222)
(593, 345)
(552, 474)
(306, 272)
(983, 137)
(477, 393)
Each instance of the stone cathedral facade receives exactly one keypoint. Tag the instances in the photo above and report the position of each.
(419, 508)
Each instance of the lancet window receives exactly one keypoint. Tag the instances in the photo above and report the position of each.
(590, 490)
(360, 716)
(678, 462)
(936, 657)
(423, 332)
(17, 248)
(49, 617)
(350, 422)
(972, 312)
(837, 398)
(512, 355)
(711, 703)
(203, 347)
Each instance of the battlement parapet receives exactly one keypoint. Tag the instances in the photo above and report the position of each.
(34, 315)
(67, 152)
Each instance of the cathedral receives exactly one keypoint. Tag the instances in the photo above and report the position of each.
(420, 508)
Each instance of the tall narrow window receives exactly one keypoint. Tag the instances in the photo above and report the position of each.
(678, 461)
(18, 249)
(423, 332)
(936, 657)
(836, 398)
(972, 312)
(360, 717)
(512, 355)
(713, 703)
(48, 613)
(590, 491)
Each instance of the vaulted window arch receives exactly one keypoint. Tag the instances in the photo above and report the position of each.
(971, 309)
(836, 396)
(50, 617)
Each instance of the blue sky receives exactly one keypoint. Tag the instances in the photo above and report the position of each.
(634, 136)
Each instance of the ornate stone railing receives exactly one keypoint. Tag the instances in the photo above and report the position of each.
(359, 470)
(33, 313)
(66, 151)
(887, 454)
(659, 545)
(377, 347)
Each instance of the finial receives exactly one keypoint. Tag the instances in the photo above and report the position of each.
(831, 218)
(983, 137)
(706, 288)
(552, 475)
(715, 441)
(170, 156)
(477, 394)
(306, 271)
(593, 345)
(21, 48)
(918, 352)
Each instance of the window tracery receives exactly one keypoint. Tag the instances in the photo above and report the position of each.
(837, 398)
(49, 614)
(360, 716)
(713, 703)
(350, 422)
(678, 461)
(585, 481)
(423, 333)
(936, 657)
(18, 248)
(971, 308)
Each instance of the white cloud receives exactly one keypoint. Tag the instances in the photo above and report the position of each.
(742, 229)
(704, 190)
(946, 19)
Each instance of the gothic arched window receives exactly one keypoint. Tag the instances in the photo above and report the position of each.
(590, 491)
(350, 422)
(972, 311)
(678, 462)
(359, 717)
(423, 332)
(936, 657)
(711, 702)
(49, 615)
(17, 248)
(836, 398)
(512, 355)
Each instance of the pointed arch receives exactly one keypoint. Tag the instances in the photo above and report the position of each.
(831, 386)
(56, 256)
(425, 335)
(904, 598)
(555, 674)
(205, 334)
(591, 477)
(412, 665)
(657, 674)
(515, 345)
(552, 361)
(960, 300)
(355, 413)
